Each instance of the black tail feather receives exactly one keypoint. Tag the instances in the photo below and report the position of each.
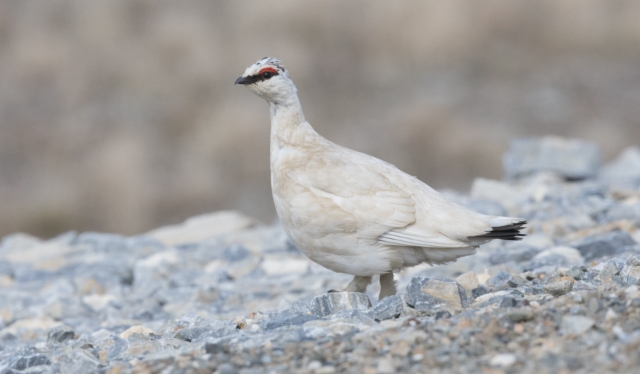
(508, 232)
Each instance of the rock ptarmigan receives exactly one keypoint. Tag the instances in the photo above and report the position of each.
(351, 212)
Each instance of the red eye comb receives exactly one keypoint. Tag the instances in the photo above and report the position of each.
(268, 69)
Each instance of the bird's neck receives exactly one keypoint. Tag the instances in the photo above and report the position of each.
(287, 121)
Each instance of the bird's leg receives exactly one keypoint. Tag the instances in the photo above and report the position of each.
(358, 284)
(387, 286)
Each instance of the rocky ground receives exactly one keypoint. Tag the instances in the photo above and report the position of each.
(223, 293)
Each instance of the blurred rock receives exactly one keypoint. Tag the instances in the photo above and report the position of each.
(60, 334)
(288, 319)
(571, 158)
(199, 228)
(24, 360)
(79, 361)
(558, 288)
(499, 281)
(426, 294)
(141, 330)
(576, 325)
(191, 327)
(517, 254)
(609, 244)
(387, 308)
(630, 273)
(334, 302)
(520, 314)
(623, 212)
(468, 281)
(623, 173)
(555, 256)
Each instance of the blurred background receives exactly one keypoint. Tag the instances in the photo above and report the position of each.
(121, 116)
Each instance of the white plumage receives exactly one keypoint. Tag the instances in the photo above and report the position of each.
(351, 212)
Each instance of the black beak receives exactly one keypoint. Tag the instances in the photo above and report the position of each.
(242, 80)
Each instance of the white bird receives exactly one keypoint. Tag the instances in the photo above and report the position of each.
(353, 213)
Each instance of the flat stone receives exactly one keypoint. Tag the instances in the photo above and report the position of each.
(609, 244)
(468, 281)
(387, 308)
(331, 303)
(576, 325)
(558, 288)
(570, 158)
(425, 294)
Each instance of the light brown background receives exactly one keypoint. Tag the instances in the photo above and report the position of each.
(121, 116)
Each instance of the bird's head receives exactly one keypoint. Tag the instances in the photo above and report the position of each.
(268, 79)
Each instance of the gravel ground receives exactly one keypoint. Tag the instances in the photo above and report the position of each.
(224, 293)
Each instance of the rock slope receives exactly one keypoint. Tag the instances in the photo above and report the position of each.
(223, 293)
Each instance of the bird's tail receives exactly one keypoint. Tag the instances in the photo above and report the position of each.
(504, 228)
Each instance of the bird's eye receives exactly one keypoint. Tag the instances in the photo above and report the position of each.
(267, 74)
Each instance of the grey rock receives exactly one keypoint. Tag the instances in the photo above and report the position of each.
(558, 288)
(623, 172)
(550, 260)
(499, 281)
(235, 253)
(576, 273)
(479, 291)
(190, 328)
(516, 281)
(331, 303)
(287, 319)
(571, 158)
(609, 244)
(524, 253)
(24, 359)
(426, 294)
(610, 268)
(354, 316)
(118, 348)
(519, 314)
(387, 308)
(630, 273)
(79, 361)
(535, 289)
(226, 368)
(575, 324)
(510, 302)
(60, 334)
(443, 314)
(623, 211)
(554, 257)
(468, 281)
